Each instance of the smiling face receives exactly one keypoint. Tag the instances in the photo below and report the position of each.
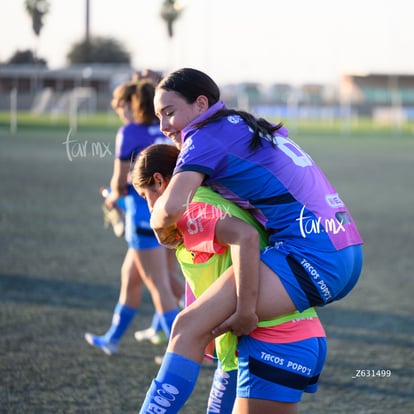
(175, 113)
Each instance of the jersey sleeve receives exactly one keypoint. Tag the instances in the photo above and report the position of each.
(130, 140)
(125, 144)
(202, 153)
(198, 225)
(119, 143)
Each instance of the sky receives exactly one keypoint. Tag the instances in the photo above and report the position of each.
(266, 41)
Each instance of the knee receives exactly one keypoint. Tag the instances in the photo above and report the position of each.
(129, 279)
(185, 327)
(180, 325)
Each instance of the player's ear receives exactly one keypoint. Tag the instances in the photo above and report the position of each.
(159, 180)
(202, 103)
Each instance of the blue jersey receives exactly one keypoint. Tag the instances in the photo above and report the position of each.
(279, 182)
(132, 138)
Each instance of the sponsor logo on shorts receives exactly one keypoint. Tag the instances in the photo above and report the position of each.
(320, 283)
(282, 362)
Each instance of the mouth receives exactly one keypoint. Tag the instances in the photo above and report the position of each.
(176, 137)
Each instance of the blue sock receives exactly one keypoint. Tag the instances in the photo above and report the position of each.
(222, 392)
(122, 317)
(167, 319)
(156, 323)
(173, 385)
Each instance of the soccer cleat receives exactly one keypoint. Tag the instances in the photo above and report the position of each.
(149, 334)
(102, 343)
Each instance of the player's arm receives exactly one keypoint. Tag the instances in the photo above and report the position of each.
(171, 205)
(243, 241)
(118, 181)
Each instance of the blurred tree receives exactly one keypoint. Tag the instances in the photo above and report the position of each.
(98, 50)
(37, 9)
(22, 57)
(170, 12)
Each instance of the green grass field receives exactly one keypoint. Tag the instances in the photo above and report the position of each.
(59, 274)
(107, 120)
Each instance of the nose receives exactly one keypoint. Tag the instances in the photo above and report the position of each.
(164, 125)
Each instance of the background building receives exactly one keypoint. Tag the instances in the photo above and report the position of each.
(384, 97)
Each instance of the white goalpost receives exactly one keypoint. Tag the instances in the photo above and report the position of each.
(13, 111)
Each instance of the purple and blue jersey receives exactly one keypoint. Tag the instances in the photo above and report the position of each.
(131, 139)
(279, 182)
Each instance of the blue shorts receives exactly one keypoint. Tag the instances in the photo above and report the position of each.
(314, 278)
(279, 372)
(138, 232)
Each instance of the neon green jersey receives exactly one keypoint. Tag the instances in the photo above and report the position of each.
(200, 276)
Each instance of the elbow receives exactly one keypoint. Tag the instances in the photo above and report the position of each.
(253, 238)
(173, 210)
(250, 237)
(165, 213)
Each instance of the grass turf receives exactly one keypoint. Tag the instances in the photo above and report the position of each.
(59, 277)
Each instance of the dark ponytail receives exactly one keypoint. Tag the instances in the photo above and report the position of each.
(261, 128)
(143, 102)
